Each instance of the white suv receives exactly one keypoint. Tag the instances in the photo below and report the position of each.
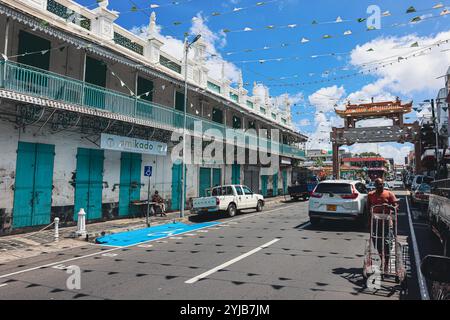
(338, 200)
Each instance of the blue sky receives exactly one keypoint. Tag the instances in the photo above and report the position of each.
(307, 69)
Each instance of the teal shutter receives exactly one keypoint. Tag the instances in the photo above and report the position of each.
(176, 185)
(275, 185)
(33, 184)
(264, 180)
(89, 183)
(96, 184)
(217, 177)
(204, 181)
(236, 174)
(24, 186)
(285, 186)
(130, 182)
(43, 180)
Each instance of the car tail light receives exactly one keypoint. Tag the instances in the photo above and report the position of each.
(354, 194)
(217, 201)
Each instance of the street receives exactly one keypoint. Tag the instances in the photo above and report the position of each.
(272, 255)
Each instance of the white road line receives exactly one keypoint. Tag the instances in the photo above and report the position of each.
(422, 284)
(226, 264)
(3, 285)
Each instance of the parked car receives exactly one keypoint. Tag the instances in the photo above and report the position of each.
(299, 191)
(397, 184)
(409, 181)
(338, 200)
(230, 199)
(421, 195)
(302, 190)
(419, 179)
(371, 186)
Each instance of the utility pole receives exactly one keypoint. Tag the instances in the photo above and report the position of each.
(436, 133)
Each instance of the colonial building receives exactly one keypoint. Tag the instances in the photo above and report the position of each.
(86, 105)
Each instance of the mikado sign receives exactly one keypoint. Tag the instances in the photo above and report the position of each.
(112, 142)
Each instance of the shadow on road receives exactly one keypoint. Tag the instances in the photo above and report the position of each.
(343, 226)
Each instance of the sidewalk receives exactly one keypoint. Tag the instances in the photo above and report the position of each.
(34, 243)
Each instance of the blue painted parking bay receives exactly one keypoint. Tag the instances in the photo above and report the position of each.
(128, 238)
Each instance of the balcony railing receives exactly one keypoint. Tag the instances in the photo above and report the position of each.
(44, 84)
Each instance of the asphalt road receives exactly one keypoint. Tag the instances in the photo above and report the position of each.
(271, 255)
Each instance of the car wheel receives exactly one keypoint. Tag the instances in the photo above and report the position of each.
(259, 206)
(314, 221)
(295, 198)
(231, 211)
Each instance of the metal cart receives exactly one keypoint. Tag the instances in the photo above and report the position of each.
(384, 254)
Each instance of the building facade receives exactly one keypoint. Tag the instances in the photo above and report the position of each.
(86, 105)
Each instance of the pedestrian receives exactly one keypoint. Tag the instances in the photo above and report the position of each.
(159, 201)
(378, 197)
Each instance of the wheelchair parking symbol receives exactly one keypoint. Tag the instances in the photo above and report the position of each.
(148, 171)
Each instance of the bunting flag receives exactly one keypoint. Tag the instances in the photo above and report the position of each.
(366, 68)
(305, 40)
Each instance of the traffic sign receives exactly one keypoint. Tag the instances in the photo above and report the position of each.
(148, 171)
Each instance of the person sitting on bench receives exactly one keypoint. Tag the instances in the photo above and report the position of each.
(159, 201)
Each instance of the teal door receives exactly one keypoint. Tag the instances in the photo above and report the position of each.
(275, 185)
(89, 183)
(236, 174)
(285, 176)
(264, 180)
(130, 182)
(176, 186)
(217, 177)
(33, 186)
(204, 181)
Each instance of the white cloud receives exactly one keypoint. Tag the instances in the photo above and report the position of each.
(212, 40)
(411, 76)
(304, 122)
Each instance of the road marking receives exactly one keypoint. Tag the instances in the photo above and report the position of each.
(190, 234)
(115, 248)
(422, 284)
(3, 285)
(145, 245)
(176, 238)
(109, 254)
(202, 231)
(226, 264)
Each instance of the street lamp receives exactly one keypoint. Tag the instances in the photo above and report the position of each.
(187, 46)
(436, 133)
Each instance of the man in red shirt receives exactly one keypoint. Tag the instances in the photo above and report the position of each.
(380, 197)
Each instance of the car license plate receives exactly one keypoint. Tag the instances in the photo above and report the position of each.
(331, 207)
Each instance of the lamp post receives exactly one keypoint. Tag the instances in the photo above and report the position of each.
(436, 133)
(187, 46)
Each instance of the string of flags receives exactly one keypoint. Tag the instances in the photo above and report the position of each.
(305, 40)
(338, 20)
(399, 59)
(389, 59)
(135, 8)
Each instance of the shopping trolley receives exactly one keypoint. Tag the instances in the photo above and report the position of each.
(384, 254)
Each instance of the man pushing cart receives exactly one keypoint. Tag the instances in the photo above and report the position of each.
(383, 208)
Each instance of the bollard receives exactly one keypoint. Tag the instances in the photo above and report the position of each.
(56, 229)
(81, 224)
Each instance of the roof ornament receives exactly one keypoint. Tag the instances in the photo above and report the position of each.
(240, 82)
(223, 71)
(103, 4)
(152, 25)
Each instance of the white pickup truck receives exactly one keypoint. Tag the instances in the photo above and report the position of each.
(230, 199)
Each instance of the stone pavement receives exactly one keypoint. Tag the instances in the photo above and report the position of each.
(31, 244)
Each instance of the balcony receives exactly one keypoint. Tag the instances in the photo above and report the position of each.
(40, 83)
